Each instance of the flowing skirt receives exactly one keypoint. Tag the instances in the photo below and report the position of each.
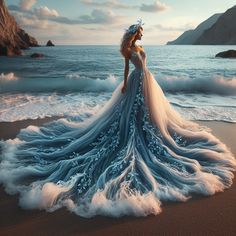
(136, 152)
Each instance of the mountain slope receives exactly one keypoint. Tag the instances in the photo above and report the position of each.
(222, 32)
(190, 36)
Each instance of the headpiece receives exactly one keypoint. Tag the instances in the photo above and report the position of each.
(133, 28)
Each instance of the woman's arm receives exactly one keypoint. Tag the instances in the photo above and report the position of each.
(126, 73)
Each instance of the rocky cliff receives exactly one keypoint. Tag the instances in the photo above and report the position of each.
(222, 32)
(12, 37)
(191, 36)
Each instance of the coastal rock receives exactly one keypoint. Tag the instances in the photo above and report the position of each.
(50, 44)
(190, 36)
(12, 37)
(37, 55)
(29, 40)
(227, 54)
(223, 32)
(219, 29)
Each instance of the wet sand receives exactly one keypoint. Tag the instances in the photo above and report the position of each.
(211, 215)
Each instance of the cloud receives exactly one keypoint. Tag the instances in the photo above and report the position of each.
(96, 17)
(45, 12)
(31, 21)
(184, 27)
(107, 3)
(44, 23)
(27, 4)
(99, 17)
(157, 6)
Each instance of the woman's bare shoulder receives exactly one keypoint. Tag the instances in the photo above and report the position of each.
(140, 48)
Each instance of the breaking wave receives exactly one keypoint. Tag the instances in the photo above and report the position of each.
(75, 82)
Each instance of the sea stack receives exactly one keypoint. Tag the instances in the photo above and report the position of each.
(12, 37)
(227, 54)
(50, 44)
(37, 55)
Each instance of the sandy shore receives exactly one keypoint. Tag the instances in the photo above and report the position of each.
(214, 215)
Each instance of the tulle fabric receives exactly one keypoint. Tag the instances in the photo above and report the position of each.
(127, 159)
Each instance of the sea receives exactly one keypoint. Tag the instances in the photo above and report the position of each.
(76, 81)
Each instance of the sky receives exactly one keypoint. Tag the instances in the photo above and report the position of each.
(102, 22)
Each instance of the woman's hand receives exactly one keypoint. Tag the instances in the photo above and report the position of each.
(123, 88)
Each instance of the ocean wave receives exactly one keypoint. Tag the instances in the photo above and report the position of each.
(10, 83)
(74, 82)
(94, 85)
(15, 107)
(208, 113)
(79, 106)
(181, 105)
(7, 77)
(214, 85)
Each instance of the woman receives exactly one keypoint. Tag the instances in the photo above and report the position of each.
(125, 160)
(128, 43)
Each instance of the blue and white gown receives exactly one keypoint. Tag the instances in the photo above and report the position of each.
(126, 159)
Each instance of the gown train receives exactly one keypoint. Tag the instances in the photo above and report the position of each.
(136, 152)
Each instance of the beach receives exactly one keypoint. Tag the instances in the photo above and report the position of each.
(211, 215)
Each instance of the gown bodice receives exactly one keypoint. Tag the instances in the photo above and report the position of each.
(138, 59)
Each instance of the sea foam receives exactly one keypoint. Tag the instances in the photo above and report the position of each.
(213, 85)
(7, 77)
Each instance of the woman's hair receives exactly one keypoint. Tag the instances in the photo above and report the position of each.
(128, 38)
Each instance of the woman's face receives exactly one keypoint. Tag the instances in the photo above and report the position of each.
(139, 34)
